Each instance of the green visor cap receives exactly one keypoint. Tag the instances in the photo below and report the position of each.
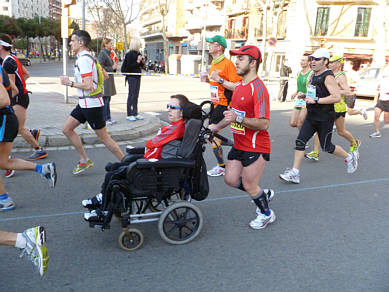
(336, 59)
(218, 39)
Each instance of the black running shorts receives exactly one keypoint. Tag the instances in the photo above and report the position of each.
(94, 116)
(217, 114)
(22, 100)
(8, 125)
(383, 105)
(338, 115)
(246, 157)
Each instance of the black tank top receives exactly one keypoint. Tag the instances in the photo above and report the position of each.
(6, 82)
(321, 112)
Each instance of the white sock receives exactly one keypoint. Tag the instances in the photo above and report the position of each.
(20, 241)
(348, 158)
(295, 171)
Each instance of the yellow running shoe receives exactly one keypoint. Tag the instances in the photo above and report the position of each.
(82, 166)
(314, 155)
(35, 248)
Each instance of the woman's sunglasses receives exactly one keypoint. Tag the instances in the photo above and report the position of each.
(173, 107)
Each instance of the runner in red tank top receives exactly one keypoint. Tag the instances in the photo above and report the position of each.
(248, 118)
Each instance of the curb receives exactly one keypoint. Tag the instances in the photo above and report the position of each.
(88, 137)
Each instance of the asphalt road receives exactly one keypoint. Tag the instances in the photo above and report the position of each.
(330, 233)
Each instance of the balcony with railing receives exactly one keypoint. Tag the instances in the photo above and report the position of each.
(237, 33)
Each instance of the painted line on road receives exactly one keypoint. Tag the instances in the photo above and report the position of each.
(218, 199)
(307, 189)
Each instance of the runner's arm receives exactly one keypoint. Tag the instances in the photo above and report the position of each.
(26, 74)
(250, 123)
(15, 90)
(86, 84)
(4, 99)
(343, 84)
(333, 89)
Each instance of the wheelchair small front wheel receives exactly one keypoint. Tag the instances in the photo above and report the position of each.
(180, 223)
(131, 239)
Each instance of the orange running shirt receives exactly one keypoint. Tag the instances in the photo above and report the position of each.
(227, 71)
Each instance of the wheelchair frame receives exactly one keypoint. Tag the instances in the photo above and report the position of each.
(179, 221)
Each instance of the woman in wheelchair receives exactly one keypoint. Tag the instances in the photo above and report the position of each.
(153, 149)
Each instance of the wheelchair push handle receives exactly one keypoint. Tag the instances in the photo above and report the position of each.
(224, 141)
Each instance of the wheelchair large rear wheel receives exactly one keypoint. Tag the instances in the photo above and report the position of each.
(131, 240)
(180, 223)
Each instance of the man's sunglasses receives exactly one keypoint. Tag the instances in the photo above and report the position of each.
(173, 107)
(313, 58)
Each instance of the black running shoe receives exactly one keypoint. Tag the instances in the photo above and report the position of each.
(35, 133)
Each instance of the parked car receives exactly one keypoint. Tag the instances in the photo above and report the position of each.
(25, 61)
(367, 85)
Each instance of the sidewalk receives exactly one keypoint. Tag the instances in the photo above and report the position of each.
(48, 112)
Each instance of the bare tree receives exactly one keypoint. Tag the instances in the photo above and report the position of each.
(106, 21)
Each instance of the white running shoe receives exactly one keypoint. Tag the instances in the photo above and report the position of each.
(364, 113)
(49, 172)
(352, 165)
(262, 220)
(216, 171)
(376, 135)
(131, 118)
(139, 117)
(290, 176)
(93, 203)
(35, 248)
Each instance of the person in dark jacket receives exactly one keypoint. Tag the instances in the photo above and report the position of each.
(133, 62)
(109, 85)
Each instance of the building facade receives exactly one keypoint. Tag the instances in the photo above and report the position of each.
(55, 9)
(24, 8)
(355, 29)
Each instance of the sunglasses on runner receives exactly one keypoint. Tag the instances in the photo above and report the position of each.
(173, 107)
(313, 58)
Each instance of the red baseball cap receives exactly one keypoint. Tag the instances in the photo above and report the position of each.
(252, 51)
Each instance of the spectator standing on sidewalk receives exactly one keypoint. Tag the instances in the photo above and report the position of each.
(222, 80)
(18, 75)
(284, 74)
(109, 85)
(90, 105)
(133, 62)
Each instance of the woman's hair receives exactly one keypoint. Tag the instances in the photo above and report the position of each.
(135, 44)
(104, 42)
(83, 36)
(6, 38)
(182, 99)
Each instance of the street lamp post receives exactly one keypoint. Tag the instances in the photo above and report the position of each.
(204, 32)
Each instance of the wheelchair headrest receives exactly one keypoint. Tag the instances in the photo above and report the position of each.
(191, 135)
(192, 111)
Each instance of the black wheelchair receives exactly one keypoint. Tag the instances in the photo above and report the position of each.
(161, 190)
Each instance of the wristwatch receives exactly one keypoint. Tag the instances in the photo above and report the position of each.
(239, 119)
(70, 83)
(221, 81)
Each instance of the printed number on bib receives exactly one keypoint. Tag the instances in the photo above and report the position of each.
(311, 91)
(300, 102)
(237, 128)
(214, 94)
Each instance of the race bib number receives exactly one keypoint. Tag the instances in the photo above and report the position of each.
(311, 92)
(300, 103)
(215, 94)
(237, 128)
